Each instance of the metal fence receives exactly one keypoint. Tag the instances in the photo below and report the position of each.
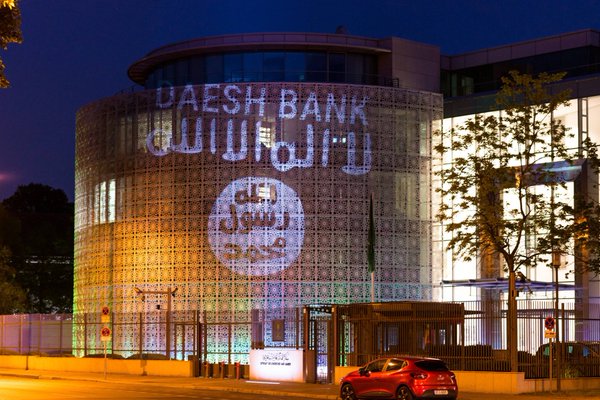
(472, 336)
(467, 336)
(158, 335)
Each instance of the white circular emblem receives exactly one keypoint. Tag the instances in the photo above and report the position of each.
(256, 226)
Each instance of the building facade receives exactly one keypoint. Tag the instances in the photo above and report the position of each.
(236, 184)
(470, 82)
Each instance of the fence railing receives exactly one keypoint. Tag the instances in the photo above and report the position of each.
(474, 337)
(467, 336)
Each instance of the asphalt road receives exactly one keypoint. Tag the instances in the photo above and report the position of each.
(15, 388)
(47, 387)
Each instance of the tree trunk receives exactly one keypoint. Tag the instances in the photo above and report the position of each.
(511, 323)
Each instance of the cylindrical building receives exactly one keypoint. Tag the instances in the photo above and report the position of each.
(239, 179)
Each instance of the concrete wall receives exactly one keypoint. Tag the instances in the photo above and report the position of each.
(96, 365)
(502, 382)
(416, 65)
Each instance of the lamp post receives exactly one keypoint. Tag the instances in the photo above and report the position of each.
(169, 293)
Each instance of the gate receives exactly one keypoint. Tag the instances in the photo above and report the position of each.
(318, 342)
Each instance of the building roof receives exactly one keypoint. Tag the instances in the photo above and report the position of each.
(254, 42)
(527, 48)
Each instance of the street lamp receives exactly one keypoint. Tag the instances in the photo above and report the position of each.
(169, 293)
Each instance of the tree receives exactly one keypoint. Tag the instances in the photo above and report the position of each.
(10, 31)
(42, 247)
(12, 296)
(503, 190)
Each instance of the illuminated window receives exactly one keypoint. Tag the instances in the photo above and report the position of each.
(105, 202)
(267, 192)
(266, 134)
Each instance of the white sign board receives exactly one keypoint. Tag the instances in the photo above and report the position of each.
(277, 365)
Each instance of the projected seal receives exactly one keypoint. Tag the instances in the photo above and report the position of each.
(256, 226)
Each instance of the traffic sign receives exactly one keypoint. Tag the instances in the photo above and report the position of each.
(105, 334)
(105, 316)
(549, 323)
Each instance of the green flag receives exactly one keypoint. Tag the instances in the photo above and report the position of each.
(371, 238)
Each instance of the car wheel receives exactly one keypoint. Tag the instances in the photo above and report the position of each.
(404, 393)
(347, 392)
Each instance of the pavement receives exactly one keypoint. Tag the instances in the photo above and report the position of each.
(276, 389)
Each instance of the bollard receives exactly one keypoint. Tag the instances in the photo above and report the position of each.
(237, 370)
(206, 369)
(222, 369)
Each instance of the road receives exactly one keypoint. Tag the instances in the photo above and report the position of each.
(15, 388)
(27, 388)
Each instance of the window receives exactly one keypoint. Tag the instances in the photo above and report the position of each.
(214, 68)
(376, 366)
(295, 67)
(266, 66)
(431, 365)
(273, 66)
(232, 67)
(253, 67)
(395, 364)
(104, 202)
(337, 67)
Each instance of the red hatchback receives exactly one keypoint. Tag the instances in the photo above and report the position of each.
(402, 378)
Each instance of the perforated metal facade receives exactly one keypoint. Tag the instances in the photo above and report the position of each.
(251, 196)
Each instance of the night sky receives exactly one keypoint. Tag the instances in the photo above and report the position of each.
(75, 52)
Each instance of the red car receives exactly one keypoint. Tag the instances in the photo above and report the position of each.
(402, 378)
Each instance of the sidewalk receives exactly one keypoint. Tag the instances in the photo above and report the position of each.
(279, 389)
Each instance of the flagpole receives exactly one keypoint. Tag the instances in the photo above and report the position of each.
(372, 286)
(371, 248)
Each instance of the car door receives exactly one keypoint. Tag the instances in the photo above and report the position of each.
(370, 382)
(391, 376)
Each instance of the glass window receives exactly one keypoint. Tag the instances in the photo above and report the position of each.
(337, 67)
(105, 201)
(270, 66)
(151, 79)
(214, 68)
(316, 67)
(169, 74)
(431, 365)
(370, 70)
(376, 366)
(253, 67)
(295, 67)
(395, 364)
(232, 67)
(181, 72)
(355, 68)
(273, 66)
(196, 70)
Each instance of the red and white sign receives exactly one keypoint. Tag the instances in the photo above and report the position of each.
(105, 334)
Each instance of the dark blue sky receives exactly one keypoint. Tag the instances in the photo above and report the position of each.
(77, 51)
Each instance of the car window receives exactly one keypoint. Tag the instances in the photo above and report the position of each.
(431, 365)
(375, 366)
(395, 364)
